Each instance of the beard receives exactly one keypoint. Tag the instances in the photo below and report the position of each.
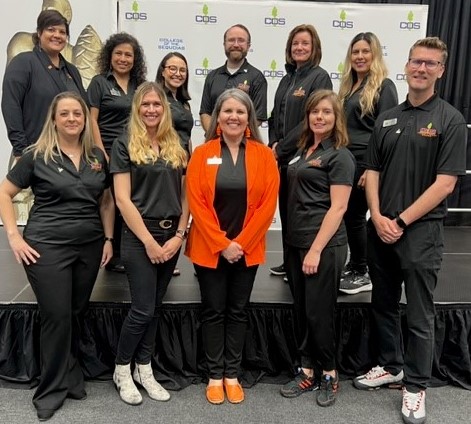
(236, 55)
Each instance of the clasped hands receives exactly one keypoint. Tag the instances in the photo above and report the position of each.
(233, 252)
(387, 229)
(160, 254)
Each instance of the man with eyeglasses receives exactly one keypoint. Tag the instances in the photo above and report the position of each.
(415, 155)
(235, 73)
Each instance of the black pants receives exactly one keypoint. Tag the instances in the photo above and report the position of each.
(283, 206)
(225, 294)
(355, 222)
(148, 284)
(315, 300)
(62, 280)
(415, 259)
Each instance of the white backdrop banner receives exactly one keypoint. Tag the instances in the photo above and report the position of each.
(196, 28)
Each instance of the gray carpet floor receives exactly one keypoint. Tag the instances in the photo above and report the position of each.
(451, 405)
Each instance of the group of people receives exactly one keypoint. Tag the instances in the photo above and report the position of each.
(116, 168)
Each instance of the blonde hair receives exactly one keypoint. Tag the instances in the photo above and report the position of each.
(140, 145)
(433, 43)
(376, 75)
(339, 132)
(48, 142)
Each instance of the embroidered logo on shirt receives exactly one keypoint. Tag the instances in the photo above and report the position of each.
(96, 166)
(115, 92)
(300, 92)
(317, 162)
(60, 170)
(428, 132)
(244, 86)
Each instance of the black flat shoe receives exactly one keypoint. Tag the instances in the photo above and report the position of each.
(45, 414)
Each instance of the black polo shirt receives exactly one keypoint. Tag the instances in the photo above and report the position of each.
(360, 127)
(230, 200)
(66, 201)
(410, 146)
(155, 186)
(182, 119)
(114, 106)
(309, 181)
(247, 78)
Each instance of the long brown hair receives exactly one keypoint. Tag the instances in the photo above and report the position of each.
(339, 132)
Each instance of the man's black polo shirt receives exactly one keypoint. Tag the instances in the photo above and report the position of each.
(66, 207)
(410, 146)
(247, 78)
(309, 181)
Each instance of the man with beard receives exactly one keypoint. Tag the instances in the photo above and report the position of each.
(235, 73)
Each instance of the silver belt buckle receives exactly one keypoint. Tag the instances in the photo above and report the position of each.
(165, 224)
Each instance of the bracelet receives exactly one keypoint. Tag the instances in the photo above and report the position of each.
(183, 234)
(110, 239)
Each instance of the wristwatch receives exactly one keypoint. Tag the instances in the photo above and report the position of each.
(400, 222)
(182, 233)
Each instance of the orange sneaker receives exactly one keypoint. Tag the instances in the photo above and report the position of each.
(215, 394)
(234, 392)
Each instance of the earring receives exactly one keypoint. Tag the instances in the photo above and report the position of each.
(247, 132)
(218, 131)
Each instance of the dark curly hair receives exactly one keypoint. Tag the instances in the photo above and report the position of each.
(139, 69)
(182, 91)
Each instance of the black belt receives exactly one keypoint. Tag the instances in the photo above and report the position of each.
(165, 224)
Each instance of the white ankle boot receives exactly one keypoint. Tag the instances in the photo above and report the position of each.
(144, 376)
(126, 388)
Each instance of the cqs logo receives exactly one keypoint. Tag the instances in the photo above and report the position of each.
(401, 77)
(202, 72)
(135, 15)
(274, 20)
(273, 72)
(410, 24)
(338, 75)
(205, 18)
(342, 23)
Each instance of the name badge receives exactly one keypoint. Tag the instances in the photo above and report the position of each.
(389, 122)
(294, 160)
(214, 161)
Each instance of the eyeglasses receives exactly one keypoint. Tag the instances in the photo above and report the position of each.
(174, 69)
(236, 40)
(431, 65)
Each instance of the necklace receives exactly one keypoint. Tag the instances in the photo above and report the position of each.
(72, 155)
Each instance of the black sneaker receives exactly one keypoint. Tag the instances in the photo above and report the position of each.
(301, 384)
(355, 283)
(278, 270)
(328, 391)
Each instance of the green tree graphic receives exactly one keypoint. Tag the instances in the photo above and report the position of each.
(340, 68)
(135, 6)
(205, 10)
(205, 63)
(429, 126)
(274, 12)
(410, 16)
(343, 15)
(273, 65)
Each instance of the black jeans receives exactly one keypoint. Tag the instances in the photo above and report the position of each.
(225, 294)
(415, 259)
(355, 222)
(283, 206)
(62, 280)
(315, 300)
(148, 284)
